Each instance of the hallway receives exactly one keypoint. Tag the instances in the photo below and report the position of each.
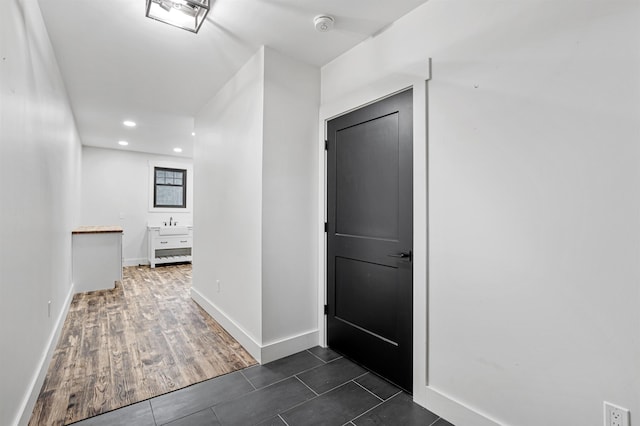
(525, 177)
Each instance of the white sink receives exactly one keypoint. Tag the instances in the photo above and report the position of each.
(174, 230)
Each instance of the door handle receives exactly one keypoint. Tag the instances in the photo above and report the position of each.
(403, 255)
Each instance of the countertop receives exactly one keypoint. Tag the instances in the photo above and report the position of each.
(97, 229)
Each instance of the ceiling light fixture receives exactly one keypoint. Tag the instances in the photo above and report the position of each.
(323, 23)
(129, 123)
(123, 143)
(186, 14)
(177, 149)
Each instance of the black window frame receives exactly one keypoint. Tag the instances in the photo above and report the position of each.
(156, 184)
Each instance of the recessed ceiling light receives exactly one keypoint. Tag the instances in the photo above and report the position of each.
(193, 133)
(123, 143)
(177, 149)
(129, 123)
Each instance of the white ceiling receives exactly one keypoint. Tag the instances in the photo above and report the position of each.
(119, 65)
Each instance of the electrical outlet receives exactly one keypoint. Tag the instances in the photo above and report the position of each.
(615, 416)
(49, 309)
(218, 282)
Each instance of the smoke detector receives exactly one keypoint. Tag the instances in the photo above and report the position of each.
(323, 23)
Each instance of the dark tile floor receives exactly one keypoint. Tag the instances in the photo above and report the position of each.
(313, 387)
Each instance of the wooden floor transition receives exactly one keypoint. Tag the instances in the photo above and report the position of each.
(145, 338)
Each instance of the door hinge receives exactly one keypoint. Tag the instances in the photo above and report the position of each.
(326, 309)
(326, 227)
(326, 145)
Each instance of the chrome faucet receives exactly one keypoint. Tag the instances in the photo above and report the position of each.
(170, 219)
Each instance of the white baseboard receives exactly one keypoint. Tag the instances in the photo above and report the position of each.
(29, 401)
(135, 261)
(238, 333)
(262, 353)
(451, 410)
(289, 346)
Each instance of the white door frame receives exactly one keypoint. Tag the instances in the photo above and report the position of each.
(352, 101)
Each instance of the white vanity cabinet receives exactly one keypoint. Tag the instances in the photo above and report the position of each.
(168, 244)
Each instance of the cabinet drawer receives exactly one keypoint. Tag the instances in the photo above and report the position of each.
(178, 241)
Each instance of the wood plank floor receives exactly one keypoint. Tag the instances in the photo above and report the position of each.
(142, 339)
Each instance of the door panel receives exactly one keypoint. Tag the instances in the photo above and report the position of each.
(370, 205)
(366, 173)
(363, 288)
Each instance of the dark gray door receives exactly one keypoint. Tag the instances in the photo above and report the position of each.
(370, 237)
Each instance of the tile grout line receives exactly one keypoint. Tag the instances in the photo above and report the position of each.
(370, 409)
(338, 386)
(342, 384)
(247, 379)
(187, 415)
(326, 362)
(362, 375)
(287, 377)
(376, 406)
(309, 369)
(350, 422)
(354, 381)
(266, 386)
(315, 397)
(214, 414)
(307, 350)
(395, 394)
(296, 405)
(340, 357)
(152, 413)
(294, 375)
(283, 420)
(436, 421)
(300, 380)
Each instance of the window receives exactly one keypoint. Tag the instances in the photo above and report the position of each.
(170, 187)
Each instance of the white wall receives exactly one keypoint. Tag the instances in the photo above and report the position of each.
(290, 207)
(534, 199)
(115, 183)
(257, 172)
(40, 165)
(227, 217)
